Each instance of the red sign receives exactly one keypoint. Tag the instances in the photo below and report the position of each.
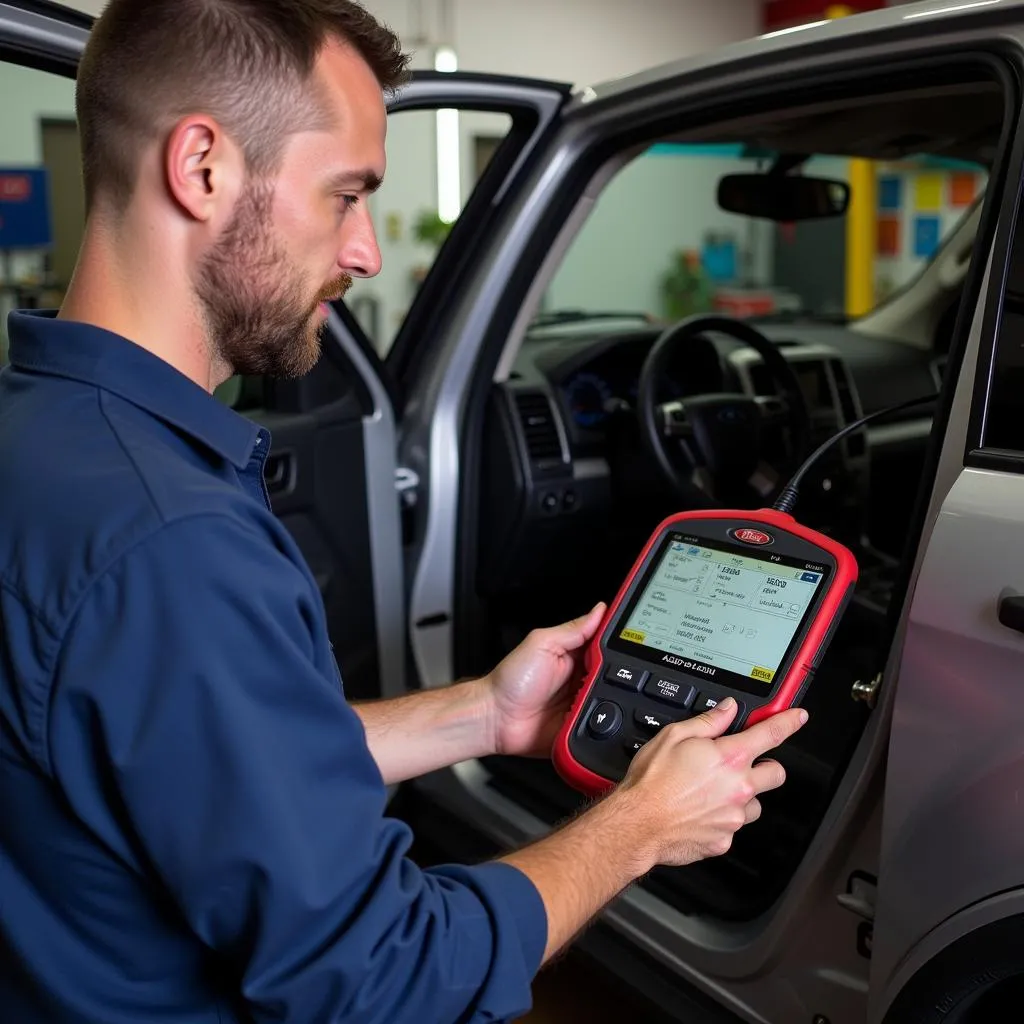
(749, 536)
(782, 14)
(15, 188)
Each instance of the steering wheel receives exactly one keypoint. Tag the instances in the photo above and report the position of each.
(710, 447)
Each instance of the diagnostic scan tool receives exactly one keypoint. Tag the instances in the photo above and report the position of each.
(719, 604)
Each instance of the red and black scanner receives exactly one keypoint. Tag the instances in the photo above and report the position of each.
(719, 604)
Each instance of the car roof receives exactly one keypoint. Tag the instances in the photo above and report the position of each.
(934, 15)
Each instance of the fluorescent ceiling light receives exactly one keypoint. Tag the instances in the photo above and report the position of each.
(445, 59)
(449, 147)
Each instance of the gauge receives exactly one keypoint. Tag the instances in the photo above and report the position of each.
(587, 394)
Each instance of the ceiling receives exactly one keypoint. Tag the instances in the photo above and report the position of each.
(92, 7)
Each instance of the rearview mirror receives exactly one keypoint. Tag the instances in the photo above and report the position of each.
(781, 197)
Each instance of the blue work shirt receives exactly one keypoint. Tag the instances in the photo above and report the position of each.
(192, 827)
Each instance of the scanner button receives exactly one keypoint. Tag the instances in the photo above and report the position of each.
(680, 695)
(633, 745)
(705, 702)
(622, 675)
(652, 723)
(605, 720)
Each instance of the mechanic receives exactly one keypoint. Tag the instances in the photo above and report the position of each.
(192, 817)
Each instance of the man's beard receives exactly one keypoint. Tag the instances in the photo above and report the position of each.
(258, 314)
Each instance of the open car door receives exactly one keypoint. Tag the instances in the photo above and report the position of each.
(949, 921)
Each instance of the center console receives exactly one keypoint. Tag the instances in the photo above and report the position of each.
(834, 497)
(834, 492)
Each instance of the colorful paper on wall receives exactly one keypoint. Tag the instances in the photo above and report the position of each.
(888, 235)
(719, 259)
(926, 236)
(963, 187)
(890, 193)
(928, 193)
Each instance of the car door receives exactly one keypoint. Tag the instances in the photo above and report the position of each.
(368, 505)
(949, 922)
(332, 476)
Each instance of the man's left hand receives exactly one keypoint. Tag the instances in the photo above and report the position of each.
(531, 690)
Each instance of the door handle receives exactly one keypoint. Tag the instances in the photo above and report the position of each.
(1011, 612)
(278, 472)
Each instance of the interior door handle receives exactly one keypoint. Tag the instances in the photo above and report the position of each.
(1011, 612)
(278, 472)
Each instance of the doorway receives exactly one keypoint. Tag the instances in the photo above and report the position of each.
(62, 157)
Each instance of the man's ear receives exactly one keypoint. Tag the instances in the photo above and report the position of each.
(203, 168)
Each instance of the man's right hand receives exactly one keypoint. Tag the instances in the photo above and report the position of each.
(690, 789)
(687, 793)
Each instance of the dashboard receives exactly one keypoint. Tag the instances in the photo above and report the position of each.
(839, 372)
(592, 382)
(565, 473)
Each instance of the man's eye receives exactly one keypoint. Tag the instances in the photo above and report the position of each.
(349, 201)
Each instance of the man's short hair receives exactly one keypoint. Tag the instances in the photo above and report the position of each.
(247, 63)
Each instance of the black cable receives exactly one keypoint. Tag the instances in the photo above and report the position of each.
(786, 501)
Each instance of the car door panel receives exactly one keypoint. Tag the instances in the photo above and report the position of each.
(331, 480)
(429, 419)
(952, 853)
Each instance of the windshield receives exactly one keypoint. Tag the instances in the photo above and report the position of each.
(657, 246)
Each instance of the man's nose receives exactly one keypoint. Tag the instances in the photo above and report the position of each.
(360, 253)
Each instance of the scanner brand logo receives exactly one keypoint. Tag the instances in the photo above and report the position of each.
(746, 535)
(690, 666)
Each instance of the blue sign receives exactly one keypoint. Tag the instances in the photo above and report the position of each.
(719, 259)
(24, 208)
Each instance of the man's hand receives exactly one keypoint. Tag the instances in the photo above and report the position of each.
(698, 788)
(531, 690)
(686, 795)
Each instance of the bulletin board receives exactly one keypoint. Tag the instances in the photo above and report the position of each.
(919, 203)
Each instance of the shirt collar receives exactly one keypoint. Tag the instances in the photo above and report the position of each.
(65, 348)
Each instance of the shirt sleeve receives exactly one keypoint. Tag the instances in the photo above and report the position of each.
(192, 688)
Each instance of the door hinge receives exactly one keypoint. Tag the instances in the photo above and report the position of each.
(407, 484)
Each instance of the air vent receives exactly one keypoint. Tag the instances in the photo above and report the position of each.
(539, 429)
(855, 443)
(846, 403)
